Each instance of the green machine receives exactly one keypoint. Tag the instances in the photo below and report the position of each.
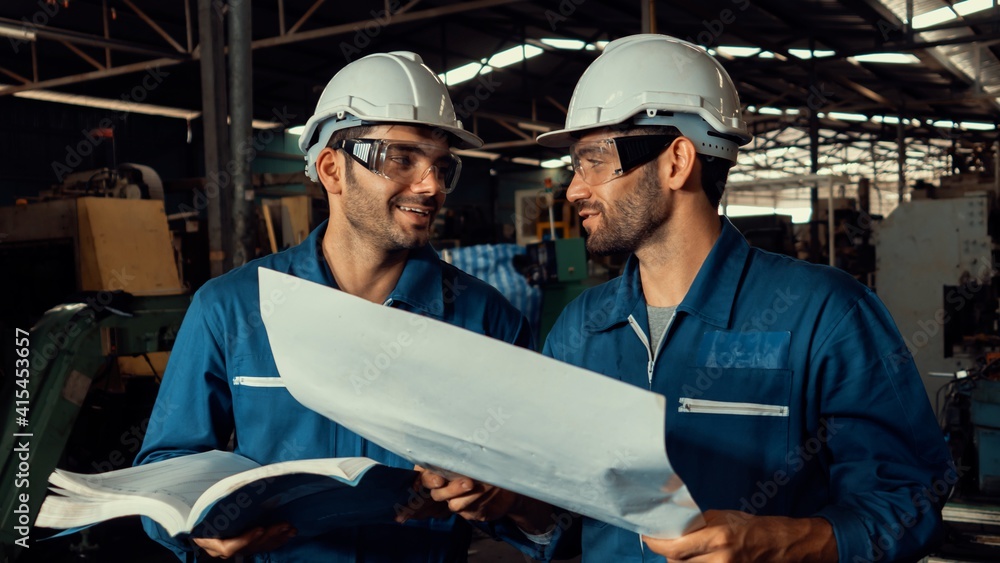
(70, 346)
(559, 267)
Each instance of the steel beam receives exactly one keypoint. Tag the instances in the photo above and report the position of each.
(216, 133)
(390, 20)
(14, 75)
(305, 17)
(83, 55)
(77, 38)
(241, 130)
(76, 78)
(149, 21)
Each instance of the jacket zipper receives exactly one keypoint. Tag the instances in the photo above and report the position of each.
(650, 363)
(645, 342)
(725, 407)
(249, 381)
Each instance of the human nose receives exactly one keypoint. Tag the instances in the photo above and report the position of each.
(578, 189)
(431, 182)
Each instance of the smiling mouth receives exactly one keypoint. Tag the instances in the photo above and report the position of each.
(420, 212)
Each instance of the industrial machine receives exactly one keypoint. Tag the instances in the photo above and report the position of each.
(559, 267)
(86, 234)
(90, 268)
(94, 371)
(127, 181)
(937, 259)
(935, 273)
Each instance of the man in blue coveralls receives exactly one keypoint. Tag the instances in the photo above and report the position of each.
(796, 415)
(379, 143)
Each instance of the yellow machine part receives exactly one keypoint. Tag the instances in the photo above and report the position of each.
(125, 245)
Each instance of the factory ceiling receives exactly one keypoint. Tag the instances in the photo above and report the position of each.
(870, 70)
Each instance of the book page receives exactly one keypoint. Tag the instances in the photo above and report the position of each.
(165, 489)
(448, 398)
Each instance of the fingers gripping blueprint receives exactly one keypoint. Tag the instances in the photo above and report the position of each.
(446, 398)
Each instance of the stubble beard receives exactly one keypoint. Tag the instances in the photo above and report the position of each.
(633, 218)
(374, 220)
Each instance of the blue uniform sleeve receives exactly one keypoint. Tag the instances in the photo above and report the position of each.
(889, 469)
(193, 410)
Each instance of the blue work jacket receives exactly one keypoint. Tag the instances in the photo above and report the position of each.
(789, 392)
(221, 382)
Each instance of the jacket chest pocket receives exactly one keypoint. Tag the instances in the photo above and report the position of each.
(727, 430)
(705, 406)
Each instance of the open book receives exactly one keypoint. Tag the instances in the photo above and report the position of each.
(222, 494)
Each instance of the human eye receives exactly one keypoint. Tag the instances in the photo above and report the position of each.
(402, 157)
(589, 157)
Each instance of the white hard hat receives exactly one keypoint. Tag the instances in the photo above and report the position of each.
(657, 80)
(391, 87)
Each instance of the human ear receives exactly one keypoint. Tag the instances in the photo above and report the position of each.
(330, 170)
(677, 163)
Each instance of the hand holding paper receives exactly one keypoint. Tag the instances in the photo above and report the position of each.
(447, 398)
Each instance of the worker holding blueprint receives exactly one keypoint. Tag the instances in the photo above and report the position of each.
(795, 413)
(380, 144)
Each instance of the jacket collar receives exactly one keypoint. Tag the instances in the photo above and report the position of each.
(711, 296)
(420, 286)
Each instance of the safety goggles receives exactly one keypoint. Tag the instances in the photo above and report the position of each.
(405, 162)
(599, 162)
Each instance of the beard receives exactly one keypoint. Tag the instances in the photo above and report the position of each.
(632, 219)
(374, 220)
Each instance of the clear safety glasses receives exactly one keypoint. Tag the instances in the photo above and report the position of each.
(404, 161)
(599, 162)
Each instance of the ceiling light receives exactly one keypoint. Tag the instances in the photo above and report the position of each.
(554, 163)
(770, 111)
(972, 6)
(887, 58)
(514, 55)
(526, 161)
(977, 126)
(848, 116)
(807, 54)
(934, 17)
(570, 44)
(738, 51)
(297, 130)
(462, 73)
(504, 58)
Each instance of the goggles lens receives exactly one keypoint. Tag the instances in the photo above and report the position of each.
(404, 161)
(599, 162)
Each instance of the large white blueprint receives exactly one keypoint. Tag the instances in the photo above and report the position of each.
(448, 398)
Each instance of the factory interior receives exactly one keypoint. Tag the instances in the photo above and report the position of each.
(149, 147)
